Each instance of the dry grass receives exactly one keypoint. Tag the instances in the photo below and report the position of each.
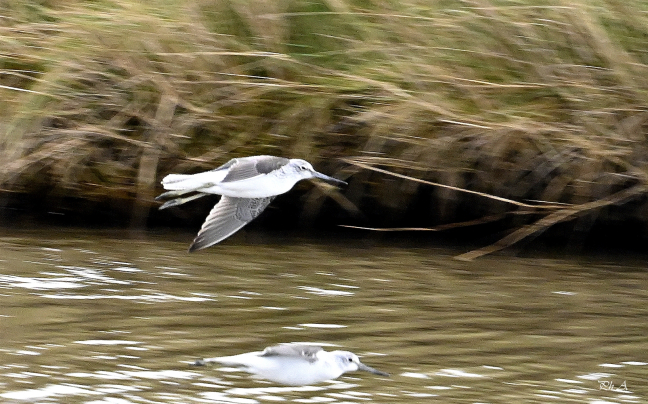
(521, 100)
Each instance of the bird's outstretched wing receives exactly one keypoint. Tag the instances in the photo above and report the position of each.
(227, 217)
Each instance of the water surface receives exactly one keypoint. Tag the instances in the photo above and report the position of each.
(99, 317)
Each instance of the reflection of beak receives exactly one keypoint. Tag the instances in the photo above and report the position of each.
(362, 366)
(328, 179)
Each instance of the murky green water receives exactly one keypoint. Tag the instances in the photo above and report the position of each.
(96, 317)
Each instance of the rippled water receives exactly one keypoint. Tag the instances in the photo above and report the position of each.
(97, 317)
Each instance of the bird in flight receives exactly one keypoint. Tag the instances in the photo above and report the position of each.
(247, 186)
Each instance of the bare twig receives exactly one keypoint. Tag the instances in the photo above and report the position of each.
(436, 184)
(553, 218)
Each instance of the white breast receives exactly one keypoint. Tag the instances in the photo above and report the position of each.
(261, 186)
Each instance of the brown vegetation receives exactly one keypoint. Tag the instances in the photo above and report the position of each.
(544, 104)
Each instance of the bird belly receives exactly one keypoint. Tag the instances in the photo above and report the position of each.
(258, 187)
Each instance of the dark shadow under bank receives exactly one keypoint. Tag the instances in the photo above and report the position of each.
(605, 233)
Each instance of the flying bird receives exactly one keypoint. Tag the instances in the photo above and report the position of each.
(247, 186)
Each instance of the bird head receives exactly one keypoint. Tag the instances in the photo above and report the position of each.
(305, 170)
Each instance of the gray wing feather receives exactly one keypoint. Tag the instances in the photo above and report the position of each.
(226, 218)
(307, 352)
(268, 164)
(225, 166)
(249, 167)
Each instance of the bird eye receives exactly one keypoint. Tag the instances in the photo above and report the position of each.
(350, 359)
(302, 167)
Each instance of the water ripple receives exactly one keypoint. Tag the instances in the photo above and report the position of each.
(325, 292)
(23, 282)
(148, 298)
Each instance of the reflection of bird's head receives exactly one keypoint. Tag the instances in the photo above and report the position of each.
(350, 362)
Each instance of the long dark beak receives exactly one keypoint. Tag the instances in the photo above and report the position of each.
(328, 179)
(362, 366)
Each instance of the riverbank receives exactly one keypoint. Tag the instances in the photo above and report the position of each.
(538, 110)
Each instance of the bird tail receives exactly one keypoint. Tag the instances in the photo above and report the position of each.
(223, 360)
(177, 182)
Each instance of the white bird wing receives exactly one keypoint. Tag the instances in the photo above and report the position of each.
(250, 167)
(227, 217)
(308, 352)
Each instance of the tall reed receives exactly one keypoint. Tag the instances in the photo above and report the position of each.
(528, 101)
